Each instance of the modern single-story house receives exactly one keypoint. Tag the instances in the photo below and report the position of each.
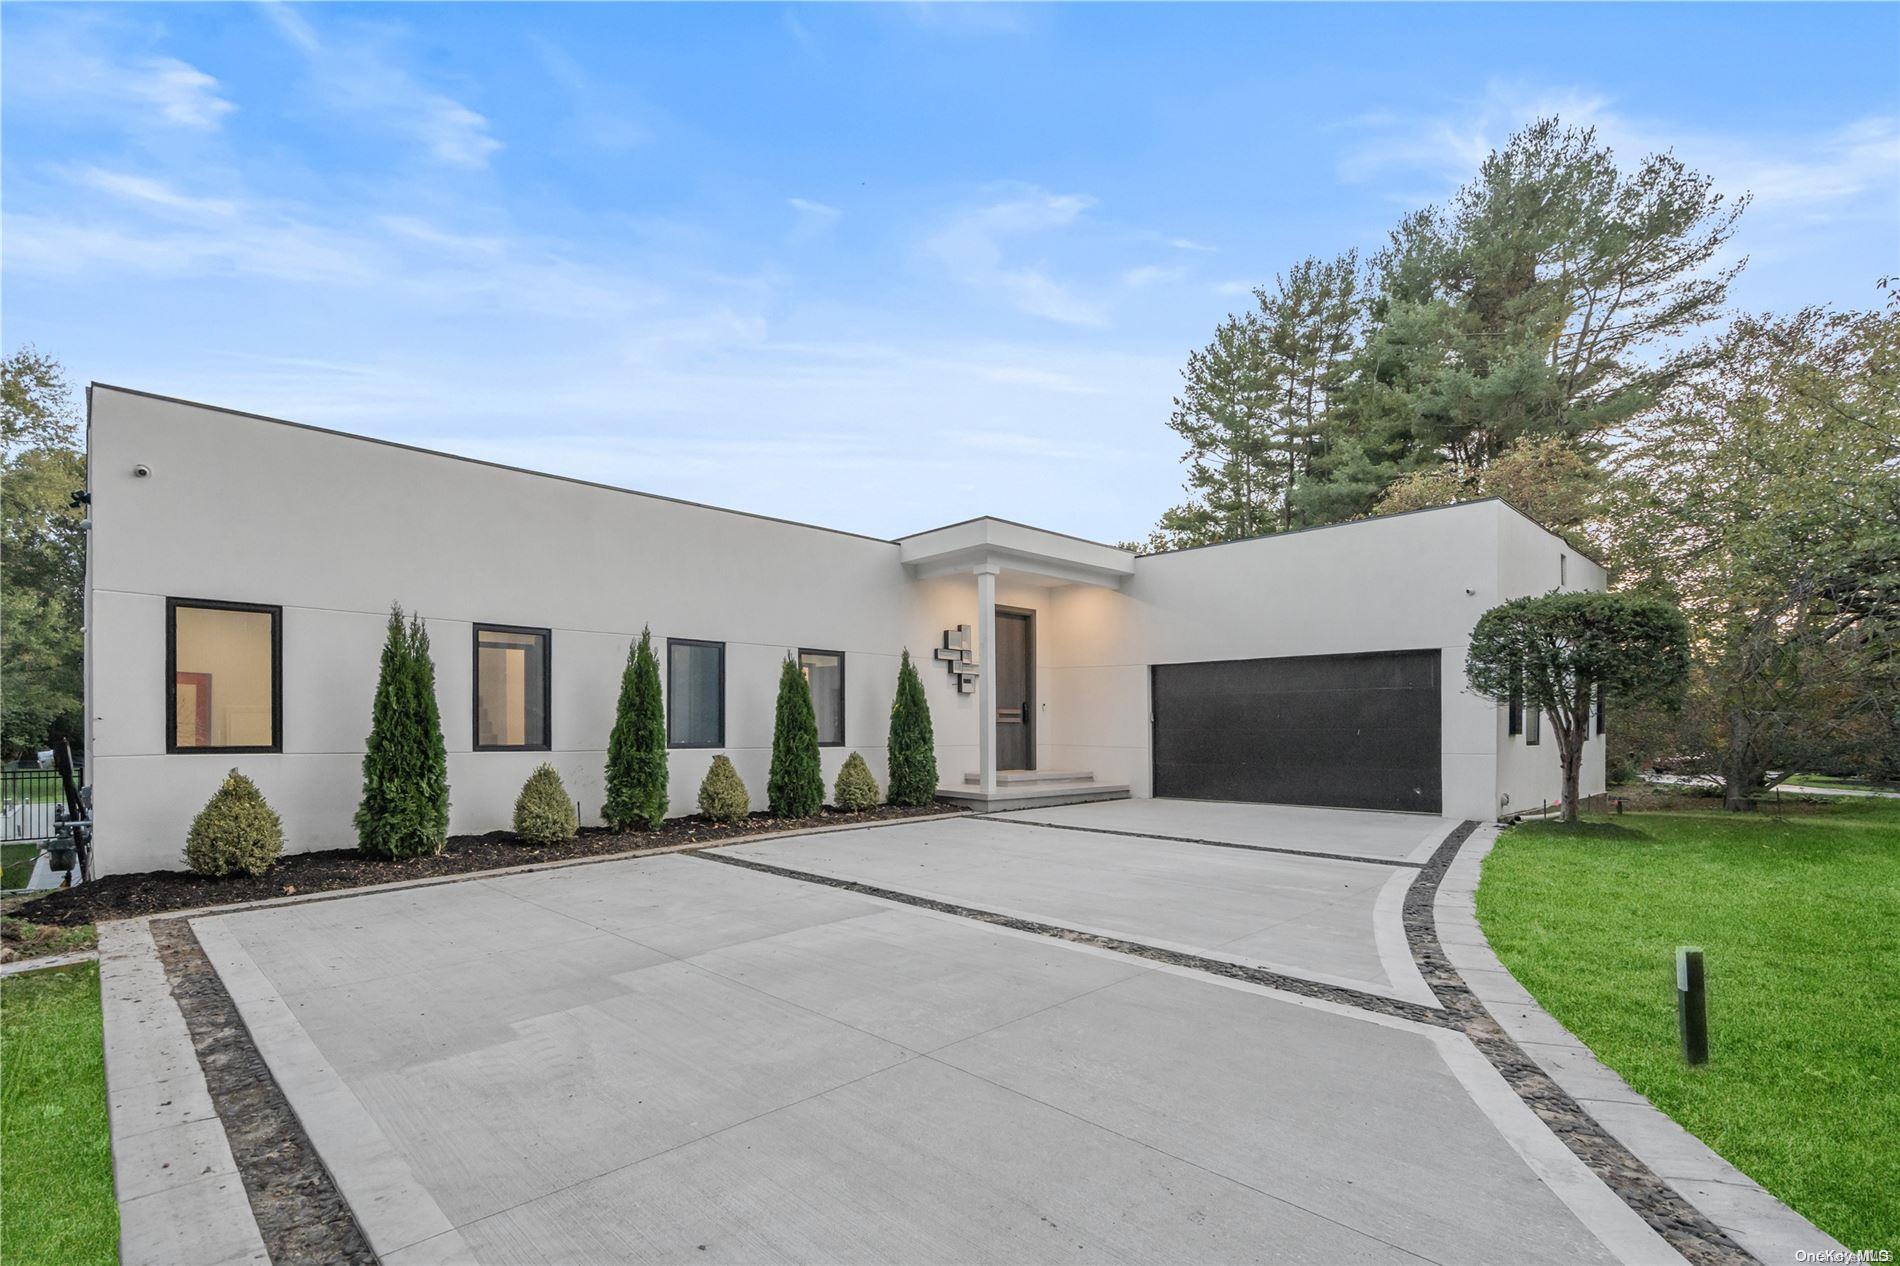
(241, 570)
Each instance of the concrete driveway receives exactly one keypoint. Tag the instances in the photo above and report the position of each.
(670, 1059)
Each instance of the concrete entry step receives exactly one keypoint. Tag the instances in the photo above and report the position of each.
(1013, 777)
(1034, 795)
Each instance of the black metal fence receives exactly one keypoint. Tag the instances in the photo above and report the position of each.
(29, 799)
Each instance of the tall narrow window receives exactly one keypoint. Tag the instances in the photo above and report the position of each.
(1515, 711)
(1533, 728)
(1602, 707)
(224, 676)
(1563, 570)
(511, 688)
(695, 693)
(824, 670)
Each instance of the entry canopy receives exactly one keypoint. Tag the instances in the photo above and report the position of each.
(988, 544)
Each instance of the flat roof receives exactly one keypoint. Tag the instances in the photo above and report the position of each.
(771, 518)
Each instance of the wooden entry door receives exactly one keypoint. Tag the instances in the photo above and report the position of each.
(1015, 669)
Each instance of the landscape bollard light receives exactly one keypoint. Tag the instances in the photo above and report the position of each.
(1692, 1005)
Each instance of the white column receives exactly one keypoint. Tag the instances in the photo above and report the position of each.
(986, 679)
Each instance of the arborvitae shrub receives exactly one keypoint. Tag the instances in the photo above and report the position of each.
(796, 786)
(636, 751)
(857, 790)
(235, 831)
(543, 812)
(405, 808)
(913, 751)
(722, 794)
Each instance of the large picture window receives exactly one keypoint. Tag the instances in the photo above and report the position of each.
(695, 693)
(824, 672)
(511, 688)
(224, 676)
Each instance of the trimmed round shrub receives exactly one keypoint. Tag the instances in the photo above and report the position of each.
(857, 790)
(722, 793)
(543, 812)
(237, 832)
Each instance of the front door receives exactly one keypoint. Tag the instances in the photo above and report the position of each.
(1015, 690)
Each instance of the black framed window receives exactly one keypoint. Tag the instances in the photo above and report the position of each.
(512, 679)
(1533, 728)
(1602, 707)
(824, 672)
(695, 693)
(224, 676)
(1515, 710)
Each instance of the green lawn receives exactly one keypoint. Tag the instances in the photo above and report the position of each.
(56, 1202)
(16, 864)
(1800, 920)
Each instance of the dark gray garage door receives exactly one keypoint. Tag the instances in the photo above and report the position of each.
(1350, 731)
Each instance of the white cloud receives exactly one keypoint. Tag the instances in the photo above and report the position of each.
(182, 94)
(813, 218)
(1804, 171)
(972, 248)
(1235, 288)
(1152, 275)
(64, 58)
(150, 193)
(357, 75)
(1189, 244)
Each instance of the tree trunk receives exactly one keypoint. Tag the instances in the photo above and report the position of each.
(1572, 768)
(1740, 778)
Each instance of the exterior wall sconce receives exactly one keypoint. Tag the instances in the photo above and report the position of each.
(960, 658)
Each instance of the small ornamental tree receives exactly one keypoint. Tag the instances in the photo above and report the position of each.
(543, 812)
(1560, 649)
(857, 789)
(913, 750)
(236, 831)
(405, 807)
(796, 785)
(636, 751)
(722, 793)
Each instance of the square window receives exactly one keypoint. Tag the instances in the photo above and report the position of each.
(224, 676)
(511, 688)
(824, 672)
(695, 693)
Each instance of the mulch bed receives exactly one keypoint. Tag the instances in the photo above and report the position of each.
(156, 891)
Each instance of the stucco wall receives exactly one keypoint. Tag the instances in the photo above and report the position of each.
(334, 528)
(1405, 582)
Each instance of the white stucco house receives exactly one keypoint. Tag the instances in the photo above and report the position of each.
(241, 570)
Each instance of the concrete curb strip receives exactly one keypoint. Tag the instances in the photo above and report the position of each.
(1761, 1224)
(180, 1197)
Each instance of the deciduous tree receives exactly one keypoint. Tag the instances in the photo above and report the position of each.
(1558, 651)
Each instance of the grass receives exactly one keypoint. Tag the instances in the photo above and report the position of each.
(1844, 784)
(56, 1201)
(1799, 918)
(21, 939)
(16, 864)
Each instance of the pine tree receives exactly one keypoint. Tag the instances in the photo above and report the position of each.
(636, 751)
(405, 806)
(796, 785)
(913, 748)
(722, 793)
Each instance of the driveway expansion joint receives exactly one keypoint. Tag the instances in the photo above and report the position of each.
(1264, 977)
(1194, 839)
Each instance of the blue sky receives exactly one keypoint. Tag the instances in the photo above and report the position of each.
(879, 268)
